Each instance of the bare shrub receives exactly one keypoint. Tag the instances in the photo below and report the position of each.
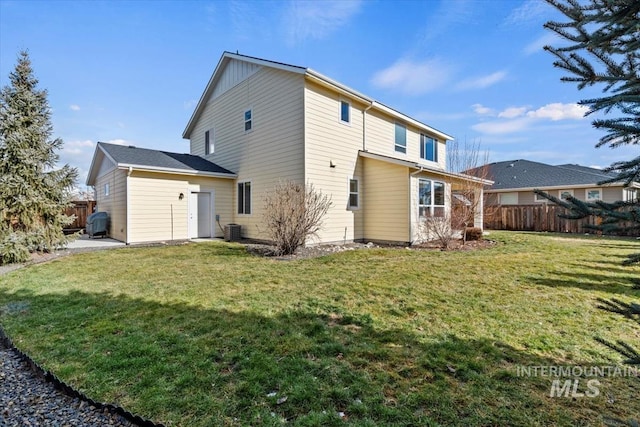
(437, 229)
(292, 214)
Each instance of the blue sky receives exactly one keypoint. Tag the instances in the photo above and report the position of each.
(131, 72)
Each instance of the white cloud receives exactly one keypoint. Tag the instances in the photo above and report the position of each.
(512, 112)
(482, 110)
(72, 148)
(317, 19)
(482, 82)
(518, 119)
(558, 111)
(502, 126)
(74, 107)
(530, 12)
(412, 77)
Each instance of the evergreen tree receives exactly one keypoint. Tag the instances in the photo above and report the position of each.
(604, 50)
(33, 194)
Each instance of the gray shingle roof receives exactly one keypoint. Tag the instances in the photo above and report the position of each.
(129, 155)
(528, 174)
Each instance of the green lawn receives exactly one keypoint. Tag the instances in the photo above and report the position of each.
(206, 334)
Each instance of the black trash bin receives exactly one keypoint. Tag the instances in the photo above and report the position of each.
(98, 224)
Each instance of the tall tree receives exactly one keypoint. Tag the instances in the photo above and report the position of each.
(33, 193)
(604, 50)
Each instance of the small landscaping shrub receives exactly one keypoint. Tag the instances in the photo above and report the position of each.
(473, 233)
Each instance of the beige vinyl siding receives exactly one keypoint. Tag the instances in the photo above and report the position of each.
(271, 151)
(386, 201)
(381, 139)
(115, 204)
(156, 211)
(609, 195)
(329, 141)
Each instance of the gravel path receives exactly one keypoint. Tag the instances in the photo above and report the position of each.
(27, 400)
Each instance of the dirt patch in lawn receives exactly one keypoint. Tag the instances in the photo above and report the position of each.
(265, 250)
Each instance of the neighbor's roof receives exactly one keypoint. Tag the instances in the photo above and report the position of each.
(125, 157)
(519, 174)
(308, 73)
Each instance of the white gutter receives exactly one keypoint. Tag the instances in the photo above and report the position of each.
(143, 168)
(554, 187)
(128, 216)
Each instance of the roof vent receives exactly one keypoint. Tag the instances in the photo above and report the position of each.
(511, 165)
(132, 146)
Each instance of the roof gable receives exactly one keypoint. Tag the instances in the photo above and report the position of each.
(232, 69)
(144, 158)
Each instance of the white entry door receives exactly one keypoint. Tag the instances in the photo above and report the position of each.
(200, 207)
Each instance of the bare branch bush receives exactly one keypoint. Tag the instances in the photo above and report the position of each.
(466, 203)
(293, 213)
(437, 229)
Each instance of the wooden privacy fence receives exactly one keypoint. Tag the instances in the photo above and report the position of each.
(539, 217)
(81, 209)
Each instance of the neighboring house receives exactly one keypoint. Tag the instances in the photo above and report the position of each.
(515, 180)
(260, 121)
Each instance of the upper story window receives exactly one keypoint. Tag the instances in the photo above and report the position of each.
(428, 148)
(248, 120)
(106, 189)
(401, 138)
(244, 198)
(354, 193)
(345, 112)
(208, 142)
(431, 198)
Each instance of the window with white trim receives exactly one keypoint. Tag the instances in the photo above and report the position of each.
(208, 142)
(345, 112)
(593, 194)
(244, 198)
(508, 198)
(428, 148)
(539, 198)
(431, 198)
(400, 138)
(106, 189)
(630, 195)
(354, 193)
(564, 194)
(248, 120)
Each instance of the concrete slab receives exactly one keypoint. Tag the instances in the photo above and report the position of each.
(84, 242)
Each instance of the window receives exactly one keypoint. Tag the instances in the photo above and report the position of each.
(538, 198)
(508, 198)
(428, 148)
(431, 198)
(401, 138)
(248, 120)
(630, 195)
(354, 193)
(345, 112)
(208, 142)
(565, 193)
(244, 198)
(593, 194)
(106, 189)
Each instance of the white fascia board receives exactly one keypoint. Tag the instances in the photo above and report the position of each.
(327, 81)
(554, 187)
(411, 121)
(91, 176)
(424, 168)
(144, 168)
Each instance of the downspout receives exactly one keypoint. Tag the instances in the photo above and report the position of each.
(411, 205)
(364, 148)
(128, 206)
